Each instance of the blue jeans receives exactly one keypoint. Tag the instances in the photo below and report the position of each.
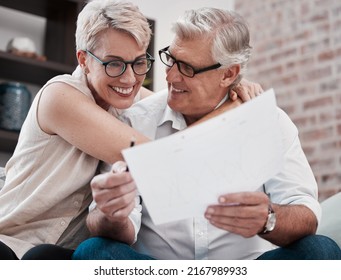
(100, 248)
(313, 247)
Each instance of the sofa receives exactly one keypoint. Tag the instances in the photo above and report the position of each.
(330, 224)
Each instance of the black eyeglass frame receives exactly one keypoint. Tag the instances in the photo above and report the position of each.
(125, 63)
(177, 62)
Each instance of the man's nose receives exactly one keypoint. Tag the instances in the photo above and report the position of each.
(173, 74)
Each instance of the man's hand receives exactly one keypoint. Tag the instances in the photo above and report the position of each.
(245, 90)
(114, 194)
(243, 213)
(246, 213)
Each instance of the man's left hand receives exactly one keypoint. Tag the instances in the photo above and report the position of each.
(243, 213)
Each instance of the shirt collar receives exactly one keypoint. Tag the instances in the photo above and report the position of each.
(176, 118)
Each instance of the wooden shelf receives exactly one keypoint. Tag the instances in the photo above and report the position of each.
(30, 70)
(59, 49)
(43, 8)
(61, 16)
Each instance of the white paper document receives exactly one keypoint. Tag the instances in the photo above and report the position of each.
(180, 175)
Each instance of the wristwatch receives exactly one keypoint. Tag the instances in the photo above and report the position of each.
(271, 220)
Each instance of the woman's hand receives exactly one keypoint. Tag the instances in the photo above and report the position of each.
(245, 90)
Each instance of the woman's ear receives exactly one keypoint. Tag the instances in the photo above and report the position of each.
(81, 57)
(230, 75)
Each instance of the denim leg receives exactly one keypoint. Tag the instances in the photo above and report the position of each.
(100, 248)
(312, 247)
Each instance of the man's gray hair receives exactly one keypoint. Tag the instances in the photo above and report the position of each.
(227, 31)
(100, 15)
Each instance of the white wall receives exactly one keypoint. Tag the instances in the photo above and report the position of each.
(165, 12)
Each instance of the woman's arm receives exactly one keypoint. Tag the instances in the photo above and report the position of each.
(65, 111)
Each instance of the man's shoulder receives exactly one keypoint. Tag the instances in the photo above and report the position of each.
(285, 121)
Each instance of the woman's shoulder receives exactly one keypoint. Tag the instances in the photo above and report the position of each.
(74, 80)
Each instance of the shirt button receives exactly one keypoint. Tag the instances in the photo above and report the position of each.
(62, 223)
(200, 233)
(76, 203)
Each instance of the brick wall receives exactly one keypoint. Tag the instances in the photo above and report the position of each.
(297, 51)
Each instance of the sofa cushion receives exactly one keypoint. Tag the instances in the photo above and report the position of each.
(330, 224)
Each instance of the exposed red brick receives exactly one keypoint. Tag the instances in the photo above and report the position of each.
(317, 134)
(283, 54)
(318, 73)
(329, 86)
(314, 46)
(305, 120)
(321, 16)
(338, 129)
(327, 116)
(320, 102)
(297, 51)
(326, 55)
(330, 146)
(309, 150)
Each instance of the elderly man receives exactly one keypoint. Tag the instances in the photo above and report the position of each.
(206, 59)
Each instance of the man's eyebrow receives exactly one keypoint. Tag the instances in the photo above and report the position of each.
(190, 64)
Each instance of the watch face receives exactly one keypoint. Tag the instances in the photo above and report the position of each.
(271, 222)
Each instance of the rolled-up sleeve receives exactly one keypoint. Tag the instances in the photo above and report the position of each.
(296, 183)
(135, 216)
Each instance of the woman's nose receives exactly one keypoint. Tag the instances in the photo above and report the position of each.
(128, 76)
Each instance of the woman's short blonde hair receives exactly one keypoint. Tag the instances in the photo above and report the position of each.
(100, 15)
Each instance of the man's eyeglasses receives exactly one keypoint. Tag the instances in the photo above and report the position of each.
(117, 67)
(184, 68)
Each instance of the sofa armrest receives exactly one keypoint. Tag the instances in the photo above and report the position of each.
(330, 224)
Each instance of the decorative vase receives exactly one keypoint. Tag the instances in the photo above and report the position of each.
(15, 101)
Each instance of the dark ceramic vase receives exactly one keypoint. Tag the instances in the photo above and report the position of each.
(15, 101)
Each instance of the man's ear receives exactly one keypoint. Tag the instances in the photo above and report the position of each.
(230, 74)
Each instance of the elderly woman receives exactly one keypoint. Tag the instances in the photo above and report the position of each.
(71, 126)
